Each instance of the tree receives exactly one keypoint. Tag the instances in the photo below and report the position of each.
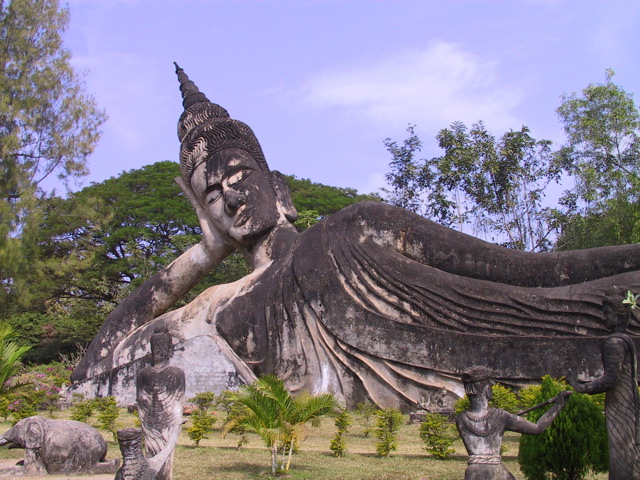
(277, 416)
(602, 156)
(496, 186)
(315, 201)
(575, 443)
(406, 177)
(48, 124)
(95, 246)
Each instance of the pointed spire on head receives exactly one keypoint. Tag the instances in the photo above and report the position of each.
(190, 93)
(205, 128)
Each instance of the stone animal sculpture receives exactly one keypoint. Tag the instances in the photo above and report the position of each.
(373, 303)
(160, 397)
(619, 382)
(57, 447)
(482, 428)
(135, 466)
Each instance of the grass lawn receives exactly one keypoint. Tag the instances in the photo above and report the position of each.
(217, 458)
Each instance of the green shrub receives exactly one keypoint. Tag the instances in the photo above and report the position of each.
(21, 407)
(438, 434)
(201, 424)
(108, 413)
(225, 401)
(575, 443)
(201, 420)
(237, 411)
(82, 410)
(388, 422)
(4, 408)
(338, 443)
(204, 400)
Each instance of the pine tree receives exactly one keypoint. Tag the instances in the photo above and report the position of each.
(575, 443)
(48, 124)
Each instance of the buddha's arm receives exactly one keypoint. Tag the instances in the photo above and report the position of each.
(461, 254)
(158, 293)
(613, 352)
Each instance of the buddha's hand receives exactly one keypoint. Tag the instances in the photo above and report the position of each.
(561, 398)
(573, 381)
(212, 239)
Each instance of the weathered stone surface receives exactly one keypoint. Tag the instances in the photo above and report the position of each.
(374, 303)
(160, 397)
(482, 428)
(620, 382)
(135, 466)
(57, 447)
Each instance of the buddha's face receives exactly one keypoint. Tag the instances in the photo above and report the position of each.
(609, 317)
(237, 195)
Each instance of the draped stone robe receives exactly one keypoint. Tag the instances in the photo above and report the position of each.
(376, 303)
(622, 405)
(159, 397)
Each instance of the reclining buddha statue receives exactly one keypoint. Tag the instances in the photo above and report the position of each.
(374, 303)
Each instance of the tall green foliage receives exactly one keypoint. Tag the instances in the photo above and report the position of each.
(602, 156)
(10, 355)
(48, 127)
(406, 176)
(438, 434)
(278, 416)
(495, 186)
(315, 201)
(388, 421)
(202, 420)
(574, 444)
(338, 443)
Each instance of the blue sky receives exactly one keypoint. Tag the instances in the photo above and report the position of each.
(324, 82)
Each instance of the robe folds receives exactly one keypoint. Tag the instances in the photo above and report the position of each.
(378, 304)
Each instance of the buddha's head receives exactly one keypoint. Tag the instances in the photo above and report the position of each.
(615, 314)
(161, 345)
(221, 159)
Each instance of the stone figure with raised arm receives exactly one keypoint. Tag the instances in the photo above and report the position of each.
(619, 381)
(482, 427)
(159, 397)
(374, 303)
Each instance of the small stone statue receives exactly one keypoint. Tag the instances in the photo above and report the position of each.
(135, 466)
(619, 381)
(481, 427)
(159, 395)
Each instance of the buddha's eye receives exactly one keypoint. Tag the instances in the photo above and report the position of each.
(213, 193)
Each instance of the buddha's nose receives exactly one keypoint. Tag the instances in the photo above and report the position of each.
(233, 201)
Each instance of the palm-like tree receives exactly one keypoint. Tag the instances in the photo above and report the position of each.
(277, 416)
(10, 355)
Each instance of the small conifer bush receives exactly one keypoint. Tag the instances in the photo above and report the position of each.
(388, 423)
(338, 443)
(438, 434)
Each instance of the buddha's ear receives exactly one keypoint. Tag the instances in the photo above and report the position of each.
(283, 194)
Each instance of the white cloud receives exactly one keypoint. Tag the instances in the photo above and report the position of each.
(431, 87)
